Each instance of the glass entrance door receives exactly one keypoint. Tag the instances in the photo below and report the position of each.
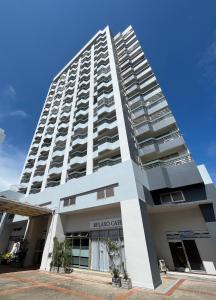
(80, 252)
(178, 255)
(193, 255)
(186, 256)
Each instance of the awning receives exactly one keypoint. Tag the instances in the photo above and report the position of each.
(22, 208)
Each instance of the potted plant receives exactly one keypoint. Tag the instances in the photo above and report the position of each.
(61, 257)
(125, 280)
(56, 256)
(116, 280)
(22, 251)
(67, 258)
(113, 250)
(6, 258)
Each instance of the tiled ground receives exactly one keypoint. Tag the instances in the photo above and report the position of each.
(38, 285)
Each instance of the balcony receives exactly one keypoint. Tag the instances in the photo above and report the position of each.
(77, 160)
(168, 143)
(106, 125)
(148, 82)
(105, 109)
(79, 140)
(179, 160)
(81, 113)
(76, 174)
(34, 190)
(132, 90)
(107, 144)
(55, 170)
(129, 80)
(105, 95)
(38, 178)
(53, 183)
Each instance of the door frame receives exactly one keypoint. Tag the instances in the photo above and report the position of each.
(185, 253)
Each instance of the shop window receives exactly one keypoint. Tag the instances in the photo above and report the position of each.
(176, 196)
(69, 201)
(105, 193)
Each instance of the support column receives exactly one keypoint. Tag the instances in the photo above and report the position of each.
(141, 259)
(54, 229)
(34, 232)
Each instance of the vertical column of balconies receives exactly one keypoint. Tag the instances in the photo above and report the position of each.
(122, 132)
(89, 167)
(149, 113)
(53, 178)
(34, 147)
(43, 123)
(66, 161)
(105, 137)
(77, 160)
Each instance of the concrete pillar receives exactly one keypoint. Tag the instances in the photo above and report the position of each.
(54, 229)
(34, 232)
(5, 230)
(140, 252)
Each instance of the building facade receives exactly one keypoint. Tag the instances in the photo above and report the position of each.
(108, 159)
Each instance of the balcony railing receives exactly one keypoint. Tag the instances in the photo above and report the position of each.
(182, 159)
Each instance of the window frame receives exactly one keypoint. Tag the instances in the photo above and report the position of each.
(171, 197)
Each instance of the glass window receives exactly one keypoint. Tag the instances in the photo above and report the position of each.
(100, 194)
(66, 202)
(165, 198)
(110, 192)
(177, 196)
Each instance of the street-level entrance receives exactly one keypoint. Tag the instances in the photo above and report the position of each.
(79, 243)
(186, 256)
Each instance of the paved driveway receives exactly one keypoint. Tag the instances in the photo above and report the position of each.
(38, 285)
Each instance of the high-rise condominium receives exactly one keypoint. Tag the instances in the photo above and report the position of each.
(108, 158)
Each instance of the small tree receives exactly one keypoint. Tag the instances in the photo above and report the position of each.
(61, 256)
(113, 250)
(66, 261)
(57, 254)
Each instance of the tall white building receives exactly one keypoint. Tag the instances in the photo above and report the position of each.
(108, 158)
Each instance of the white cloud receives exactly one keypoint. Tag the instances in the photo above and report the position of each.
(207, 61)
(9, 91)
(9, 102)
(2, 135)
(18, 113)
(11, 164)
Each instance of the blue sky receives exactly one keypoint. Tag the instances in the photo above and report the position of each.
(39, 37)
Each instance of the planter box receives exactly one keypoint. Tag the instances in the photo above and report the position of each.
(61, 270)
(126, 283)
(57, 270)
(116, 282)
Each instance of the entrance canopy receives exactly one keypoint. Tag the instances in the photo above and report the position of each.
(22, 208)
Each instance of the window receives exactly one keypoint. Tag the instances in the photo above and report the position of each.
(105, 193)
(176, 196)
(109, 192)
(165, 198)
(69, 201)
(100, 194)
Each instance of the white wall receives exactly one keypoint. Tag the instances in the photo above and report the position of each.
(81, 221)
(187, 219)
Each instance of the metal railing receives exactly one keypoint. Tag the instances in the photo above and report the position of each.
(182, 159)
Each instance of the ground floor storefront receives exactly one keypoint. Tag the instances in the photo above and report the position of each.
(180, 237)
(183, 240)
